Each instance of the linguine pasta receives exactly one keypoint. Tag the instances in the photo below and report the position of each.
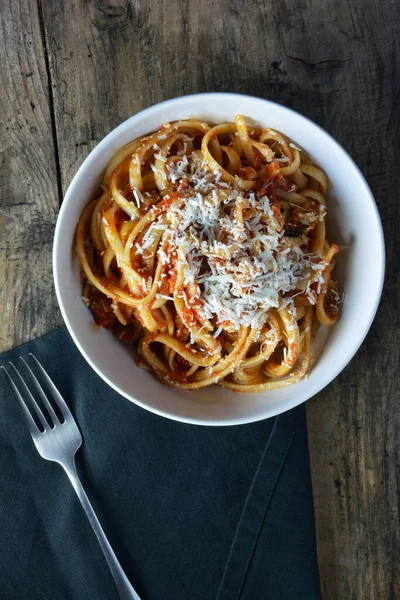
(207, 250)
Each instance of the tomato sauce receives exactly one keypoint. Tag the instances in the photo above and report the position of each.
(182, 363)
(331, 303)
(165, 204)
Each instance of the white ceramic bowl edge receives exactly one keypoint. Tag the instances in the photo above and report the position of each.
(353, 223)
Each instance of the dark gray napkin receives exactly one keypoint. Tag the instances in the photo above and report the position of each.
(193, 513)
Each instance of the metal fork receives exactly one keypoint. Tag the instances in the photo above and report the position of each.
(59, 442)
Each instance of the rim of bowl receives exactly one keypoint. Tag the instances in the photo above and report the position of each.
(347, 356)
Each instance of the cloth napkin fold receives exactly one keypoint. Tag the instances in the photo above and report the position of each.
(193, 513)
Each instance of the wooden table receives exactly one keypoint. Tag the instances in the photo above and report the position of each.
(72, 70)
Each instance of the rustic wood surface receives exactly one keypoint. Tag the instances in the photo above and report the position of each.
(73, 70)
(29, 199)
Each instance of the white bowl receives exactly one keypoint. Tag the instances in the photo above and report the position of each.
(353, 221)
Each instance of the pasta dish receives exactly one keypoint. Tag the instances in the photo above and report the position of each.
(207, 251)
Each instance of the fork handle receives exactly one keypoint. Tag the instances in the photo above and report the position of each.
(125, 590)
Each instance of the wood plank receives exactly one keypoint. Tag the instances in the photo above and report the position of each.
(353, 424)
(28, 180)
(335, 63)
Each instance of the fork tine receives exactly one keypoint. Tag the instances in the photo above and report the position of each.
(34, 404)
(41, 393)
(58, 399)
(33, 428)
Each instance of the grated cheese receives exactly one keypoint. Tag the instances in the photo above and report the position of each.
(138, 196)
(240, 269)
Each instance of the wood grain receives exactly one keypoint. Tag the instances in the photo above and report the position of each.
(28, 180)
(337, 64)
